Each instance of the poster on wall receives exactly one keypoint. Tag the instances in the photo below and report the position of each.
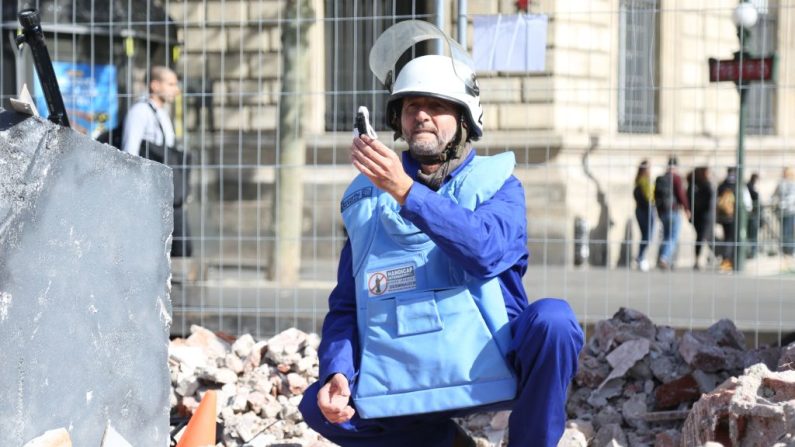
(514, 43)
(89, 95)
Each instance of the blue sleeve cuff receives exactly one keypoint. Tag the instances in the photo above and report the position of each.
(414, 199)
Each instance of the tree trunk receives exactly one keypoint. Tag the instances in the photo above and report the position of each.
(291, 150)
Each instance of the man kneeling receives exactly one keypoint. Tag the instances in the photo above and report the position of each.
(429, 319)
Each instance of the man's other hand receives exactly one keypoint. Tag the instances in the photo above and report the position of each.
(333, 398)
(382, 166)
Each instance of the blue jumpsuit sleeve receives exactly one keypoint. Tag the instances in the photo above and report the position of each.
(486, 241)
(339, 344)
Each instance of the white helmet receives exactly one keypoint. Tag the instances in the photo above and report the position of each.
(446, 77)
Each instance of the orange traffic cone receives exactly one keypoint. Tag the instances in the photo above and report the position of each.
(200, 431)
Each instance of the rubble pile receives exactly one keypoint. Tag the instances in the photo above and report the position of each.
(636, 384)
(260, 383)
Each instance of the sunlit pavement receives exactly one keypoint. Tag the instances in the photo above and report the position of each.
(759, 299)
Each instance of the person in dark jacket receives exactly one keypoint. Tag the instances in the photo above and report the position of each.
(754, 217)
(644, 211)
(670, 198)
(701, 193)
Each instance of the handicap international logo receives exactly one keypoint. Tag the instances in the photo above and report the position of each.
(377, 283)
(393, 279)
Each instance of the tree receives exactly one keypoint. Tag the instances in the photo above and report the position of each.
(285, 260)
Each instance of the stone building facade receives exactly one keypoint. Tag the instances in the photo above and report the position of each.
(625, 80)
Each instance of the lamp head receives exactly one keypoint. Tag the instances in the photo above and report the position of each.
(745, 15)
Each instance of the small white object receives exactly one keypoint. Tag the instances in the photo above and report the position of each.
(370, 131)
(112, 438)
(745, 15)
(25, 103)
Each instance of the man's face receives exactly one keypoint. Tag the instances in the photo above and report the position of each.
(428, 124)
(166, 88)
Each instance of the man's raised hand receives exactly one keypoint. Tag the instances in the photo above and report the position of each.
(382, 166)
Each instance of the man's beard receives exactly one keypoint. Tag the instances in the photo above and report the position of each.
(429, 149)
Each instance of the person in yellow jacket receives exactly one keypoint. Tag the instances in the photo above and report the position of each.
(644, 211)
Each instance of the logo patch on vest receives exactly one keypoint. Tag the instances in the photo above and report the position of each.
(392, 280)
(355, 196)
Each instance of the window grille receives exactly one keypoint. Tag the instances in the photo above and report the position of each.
(351, 30)
(760, 116)
(638, 69)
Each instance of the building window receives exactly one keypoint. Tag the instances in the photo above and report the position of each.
(760, 115)
(638, 69)
(351, 29)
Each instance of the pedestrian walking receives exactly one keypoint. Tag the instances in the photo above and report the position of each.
(149, 133)
(669, 199)
(644, 211)
(701, 193)
(754, 217)
(784, 202)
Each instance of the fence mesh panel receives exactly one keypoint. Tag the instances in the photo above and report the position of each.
(624, 81)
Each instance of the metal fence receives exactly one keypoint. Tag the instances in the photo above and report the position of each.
(623, 81)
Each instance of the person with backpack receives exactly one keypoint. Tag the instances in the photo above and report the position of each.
(149, 133)
(669, 198)
(725, 206)
(643, 194)
(700, 191)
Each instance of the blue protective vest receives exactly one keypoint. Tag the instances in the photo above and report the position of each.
(432, 337)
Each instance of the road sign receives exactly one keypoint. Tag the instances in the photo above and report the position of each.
(742, 70)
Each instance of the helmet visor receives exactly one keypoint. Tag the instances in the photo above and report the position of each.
(403, 35)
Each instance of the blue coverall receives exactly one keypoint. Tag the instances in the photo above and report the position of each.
(546, 338)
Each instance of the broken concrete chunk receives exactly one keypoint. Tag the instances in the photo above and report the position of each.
(668, 438)
(632, 324)
(610, 435)
(611, 388)
(205, 339)
(725, 333)
(634, 408)
(243, 346)
(608, 415)
(187, 356)
(591, 372)
(675, 392)
(702, 352)
(573, 438)
(284, 347)
(756, 408)
(787, 359)
(217, 375)
(625, 356)
(234, 363)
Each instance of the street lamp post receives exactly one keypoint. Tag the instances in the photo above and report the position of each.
(744, 17)
(743, 69)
